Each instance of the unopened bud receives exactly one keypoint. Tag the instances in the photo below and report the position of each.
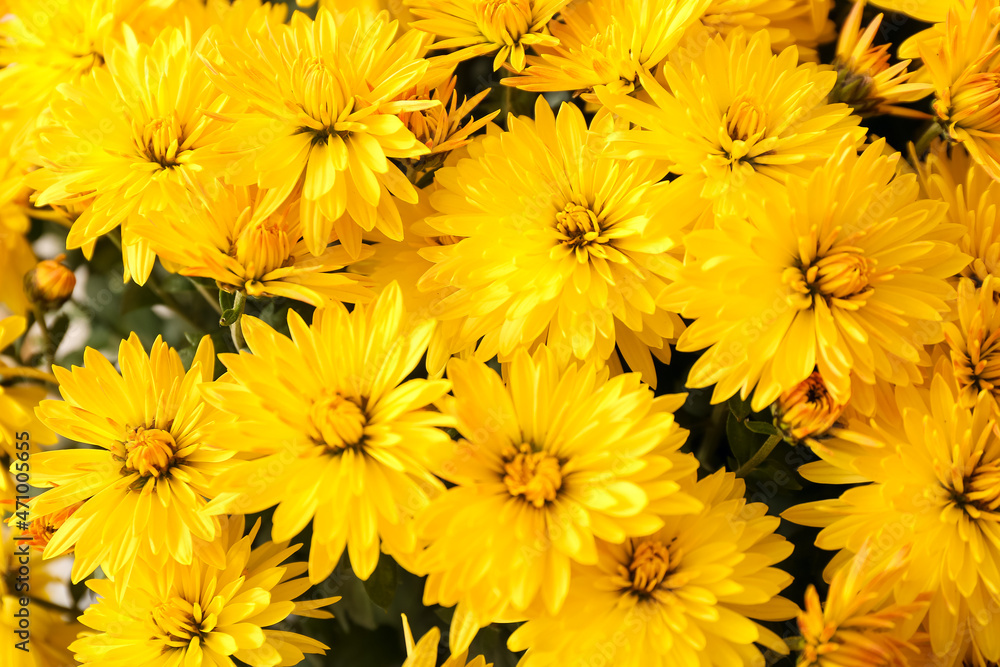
(50, 283)
(807, 409)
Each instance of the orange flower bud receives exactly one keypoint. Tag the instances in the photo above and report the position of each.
(50, 283)
(807, 410)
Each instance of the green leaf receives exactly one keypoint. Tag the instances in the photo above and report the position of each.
(226, 300)
(742, 442)
(381, 585)
(766, 428)
(739, 407)
(229, 316)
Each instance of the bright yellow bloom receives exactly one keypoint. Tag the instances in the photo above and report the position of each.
(143, 487)
(684, 596)
(965, 69)
(865, 80)
(43, 45)
(847, 272)
(935, 491)
(736, 120)
(973, 199)
(857, 625)
(480, 27)
(203, 615)
(322, 99)
(130, 139)
(18, 400)
(561, 242)
(247, 241)
(608, 42)
(332, 431)
(548, 465)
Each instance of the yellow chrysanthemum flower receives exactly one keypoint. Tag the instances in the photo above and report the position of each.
(934, 490)
(847, 273)
(736, 119)
(860, 624)
(973, 197)
(964, 68)
(559, 242)
(865, 80)
(684, 596)
(332, 431)
(144, 485)
(43, 639)
(608, 42)
(323, 107)
(203, 615)
(248, 242)
(559, 458)
(134, 138)
(45, 45)
(480, 27)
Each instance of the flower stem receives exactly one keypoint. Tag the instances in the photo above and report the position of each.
(924, 142)
(49, 348)
(759, 457)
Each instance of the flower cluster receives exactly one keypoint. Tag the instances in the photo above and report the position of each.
(545, 322)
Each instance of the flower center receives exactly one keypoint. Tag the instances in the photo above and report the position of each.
(263, 246)
(535, 475)
(149, 451)
(159, 140)
(807, 409)
(338, 422)
(841, 277)
(503, 21)
(321, 95)
(745, 120)
(180, 621)
(978, 493)
(652, 562)
(579, 231)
